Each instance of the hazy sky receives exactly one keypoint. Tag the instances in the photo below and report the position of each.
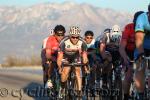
(121, 5)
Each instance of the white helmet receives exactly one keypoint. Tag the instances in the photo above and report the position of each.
(115, 28)
(115, 34)
(74, 30)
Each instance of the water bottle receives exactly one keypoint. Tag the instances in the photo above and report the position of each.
(122, 74)
(113, 75)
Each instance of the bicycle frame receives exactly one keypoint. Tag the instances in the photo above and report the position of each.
(145, 63)
(71, 79)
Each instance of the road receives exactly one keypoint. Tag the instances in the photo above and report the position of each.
(21, 84)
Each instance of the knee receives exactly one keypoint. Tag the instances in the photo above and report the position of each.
(78, 72)
(63, 77)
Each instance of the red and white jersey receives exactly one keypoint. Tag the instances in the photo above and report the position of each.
(129, 36)
(51, 43)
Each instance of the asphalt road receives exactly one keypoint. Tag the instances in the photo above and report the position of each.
(21, 84)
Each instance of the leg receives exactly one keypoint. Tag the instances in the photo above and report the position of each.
(78, 78)
(47, 74)
(64, 75)
(140, 81)
(50, 70)
(127, 82)
(45, 77)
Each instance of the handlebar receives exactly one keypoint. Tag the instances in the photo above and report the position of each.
(147, 58)
(131, 62)
(73, 64)
(143, 62)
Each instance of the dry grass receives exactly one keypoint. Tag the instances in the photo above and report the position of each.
(12, 60)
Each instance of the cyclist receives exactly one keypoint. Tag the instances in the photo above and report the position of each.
(72, 48)
(90, 41)
(142, 40)
(126, 50)
(49, 53)
(109, 49)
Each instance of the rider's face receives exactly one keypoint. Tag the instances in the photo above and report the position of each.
(74, 39)
(88, 39)
(59, 37)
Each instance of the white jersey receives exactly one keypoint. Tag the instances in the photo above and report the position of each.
(91, 45)
(70, 49)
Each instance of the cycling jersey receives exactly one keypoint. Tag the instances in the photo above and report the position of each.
(44, 43)
(52, 44)
(128, 35)
(70, 50)
(97, 43)
(91, 45)
(49, 43)
(143, 24)
(112, 40)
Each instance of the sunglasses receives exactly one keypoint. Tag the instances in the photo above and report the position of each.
(75, 37)
(89, 37)
(116, 31)
(60, 34)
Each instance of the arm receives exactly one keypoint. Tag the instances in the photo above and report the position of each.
(47, 45)
(59, 59)
(60, 55)
(124, 40)
(102, 46)
(122, 50)
(48, 53)
(139, 38)
(84, 56)
(102, 50)
(139, 35)
(84, 53)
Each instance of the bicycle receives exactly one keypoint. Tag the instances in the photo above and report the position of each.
(144, 63)
(85, 87)
(55, 78)
(114, 90)
(71, 84)
(124, 72)
(115, 84)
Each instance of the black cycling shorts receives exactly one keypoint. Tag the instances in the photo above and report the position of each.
(147, 52)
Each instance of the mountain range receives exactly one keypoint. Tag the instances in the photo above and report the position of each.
(22, 29)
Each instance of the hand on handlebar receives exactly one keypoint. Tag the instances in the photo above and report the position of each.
(106, 62)
(60, 70)
(140, 57)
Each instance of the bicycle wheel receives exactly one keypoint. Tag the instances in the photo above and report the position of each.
(70, 89)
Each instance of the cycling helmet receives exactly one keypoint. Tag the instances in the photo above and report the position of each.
(136, 15)
(74, 30)
(107, 30)
(59, 29)
(115, 28)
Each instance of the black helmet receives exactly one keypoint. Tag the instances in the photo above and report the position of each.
(107, 30)
(136, 16)
(59, 29)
